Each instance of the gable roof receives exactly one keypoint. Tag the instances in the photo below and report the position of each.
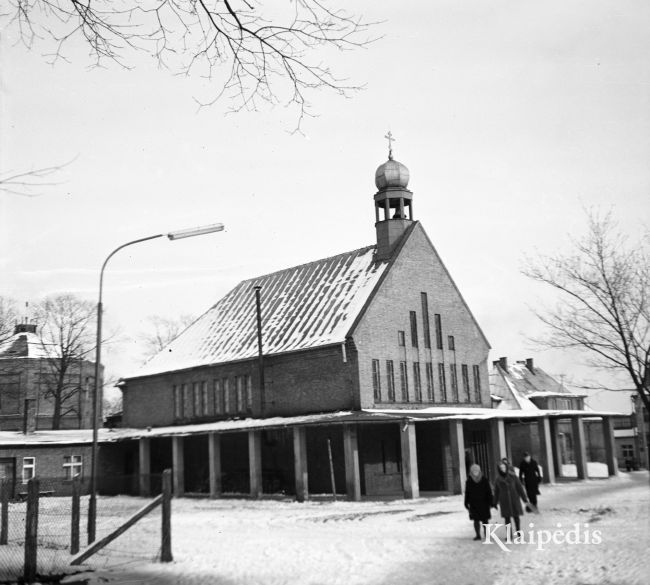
(303, 307)
(26, 345)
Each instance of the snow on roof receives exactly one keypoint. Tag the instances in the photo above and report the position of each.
(535, 383)
(26, 345)
(303, 307)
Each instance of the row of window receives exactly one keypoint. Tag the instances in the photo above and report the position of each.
(72, 467)
(433, 391)
(221, 396)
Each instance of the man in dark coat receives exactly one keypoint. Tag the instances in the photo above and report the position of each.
(478, 499)
(508, 493)
(530, 476)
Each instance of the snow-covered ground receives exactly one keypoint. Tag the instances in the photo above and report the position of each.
(243, 542)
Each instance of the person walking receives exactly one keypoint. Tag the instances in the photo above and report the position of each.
(507, 493)
(478, 499)
(530, 476)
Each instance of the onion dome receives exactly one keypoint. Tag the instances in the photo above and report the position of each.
(392, 174)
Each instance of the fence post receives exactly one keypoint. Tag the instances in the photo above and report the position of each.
(31, 531)
(4, 511)
(74, 527)
(166, 544)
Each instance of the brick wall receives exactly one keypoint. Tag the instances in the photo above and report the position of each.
(418, 269)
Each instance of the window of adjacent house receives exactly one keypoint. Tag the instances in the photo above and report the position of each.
(454, 382)
(227, 402)
(178, 401)
(429, 370)
(438, 322)
(466, 391)
(401, 339)
(72, 466)
(451, 342)
(205, 398)
(187, 401)
(442, 382)
(29, 468)
(249, 393)
(239, 383)
(376, 381)
(417, 382)
(477, 383)
(404, 381)
(10, 393)
(390, 380)
(627, 450)
(218, 397)
(414, 328)
(425, 320)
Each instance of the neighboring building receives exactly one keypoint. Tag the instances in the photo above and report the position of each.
(29, 381)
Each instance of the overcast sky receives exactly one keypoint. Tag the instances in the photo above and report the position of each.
(513, 117)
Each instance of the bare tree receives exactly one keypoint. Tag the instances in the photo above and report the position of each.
(67, 326)
(29, 183)
(163, 331)
(8, 317)
(603, 302)
(264, 51)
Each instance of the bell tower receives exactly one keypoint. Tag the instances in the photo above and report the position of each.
(393, 203)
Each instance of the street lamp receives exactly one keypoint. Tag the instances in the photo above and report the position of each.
(176, 235)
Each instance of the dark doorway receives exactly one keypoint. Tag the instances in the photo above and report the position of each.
(430, 440)
(235, 477)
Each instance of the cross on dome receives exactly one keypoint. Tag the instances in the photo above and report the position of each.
(390, 139)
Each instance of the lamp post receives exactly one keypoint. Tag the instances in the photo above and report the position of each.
(176, 235)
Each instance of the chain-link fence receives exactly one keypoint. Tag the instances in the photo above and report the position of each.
(58, 519)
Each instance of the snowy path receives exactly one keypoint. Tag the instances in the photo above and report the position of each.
(241, 542)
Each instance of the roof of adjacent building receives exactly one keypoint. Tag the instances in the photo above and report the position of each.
(303, 307)
(24, 345)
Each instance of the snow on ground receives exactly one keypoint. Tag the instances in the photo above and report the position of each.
(267, 542)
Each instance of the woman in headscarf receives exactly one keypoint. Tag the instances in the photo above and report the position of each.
(508, 493)
(478, 498)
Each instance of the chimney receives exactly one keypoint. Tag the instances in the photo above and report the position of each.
(529, 365)
(24, 328)
(503, 363)
(29, 416)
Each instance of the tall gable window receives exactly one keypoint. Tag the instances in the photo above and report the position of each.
(438, 323)
(376, 381)
(196, 392)
(205, 398)
(239, 384)
(249, 393)
(465, 375)
(430, 395)
(390, 380)
(227, 399)
(417, 382)
(451, 342)
(425, 320)
(401, 339)
(442, 382)
(414, 328)
(404, 381)
(178, 401)
(454, 382)
(477, 383)
(187, 401)
(218, 397)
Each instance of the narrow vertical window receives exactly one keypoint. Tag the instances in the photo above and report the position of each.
(205, 398)
(404, 381)
(414, 328)
(417, 382)
(227, 401)
(477, 384)
(29, 468)
(430, 395)
(197, 399)
(239, 384)
(401, 339)
(187, 401)
(218, 397)
(466, 392)
(452, 343)
(438, 322)
(454, 382)
(249, 394)
(425, 320)
(178, 402)
(390, 380)
(376, 381)
(442, 382)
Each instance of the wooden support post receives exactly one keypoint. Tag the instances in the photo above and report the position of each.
(610, 446)
(166, 538)
(546, 450)
(331, 465)
(556, 443)
(300, 463)
(214, 464)
(579, 446)
(178, 466)
(457, 445)
(75, 516)
(31, 531)
(351, 451)
(144, 466)
(498, 443)
(255, 463)
(4, 511)
(410, 481)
